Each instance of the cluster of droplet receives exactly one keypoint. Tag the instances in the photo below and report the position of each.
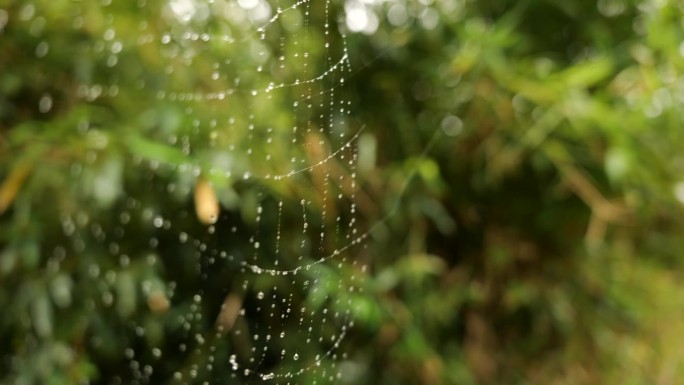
(321, 154)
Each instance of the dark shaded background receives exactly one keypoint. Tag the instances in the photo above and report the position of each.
(520, 173)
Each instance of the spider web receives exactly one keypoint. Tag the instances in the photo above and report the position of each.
(265, 148)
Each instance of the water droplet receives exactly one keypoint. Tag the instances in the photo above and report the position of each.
(129, 353)
(116, 47)
(27, 12)
(4, 17)
(109, 34)
(42, 49)
(268, 376)
(452, 125)
(45, 103)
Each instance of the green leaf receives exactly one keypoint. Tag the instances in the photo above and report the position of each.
(60, 288)
(126, 294)
(41, 314)
(616, 163)
(107, 182)
(150, 150)
(585, 74)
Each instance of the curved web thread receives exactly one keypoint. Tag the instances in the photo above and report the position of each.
(248, 333)
(183, 45)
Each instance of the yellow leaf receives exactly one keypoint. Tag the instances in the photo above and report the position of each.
(206, 203)
(11, 185)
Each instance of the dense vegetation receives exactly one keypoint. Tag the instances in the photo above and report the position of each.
(519, 167)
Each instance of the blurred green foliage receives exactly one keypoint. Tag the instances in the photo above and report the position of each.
(520, 174)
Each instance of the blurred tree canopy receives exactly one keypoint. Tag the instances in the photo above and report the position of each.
(517, 178)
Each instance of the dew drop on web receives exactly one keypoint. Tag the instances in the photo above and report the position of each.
(235, 232)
